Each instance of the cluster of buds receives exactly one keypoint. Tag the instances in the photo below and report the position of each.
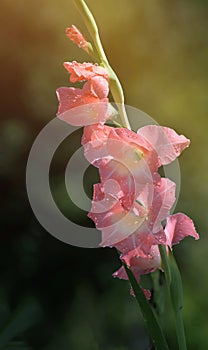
(131, 204)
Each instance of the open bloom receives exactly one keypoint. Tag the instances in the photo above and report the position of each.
(121, 144)
(178, 227)
(121, 155)
(165, 141)
(130, 158)
(119, 218)
(79, 108)
(88, 105)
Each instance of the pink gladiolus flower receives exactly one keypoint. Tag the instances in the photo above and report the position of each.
(121, 155)
(76, 36)
(102, 141)
(79, 108)
(92, 99)
(69, 98)
(178, 226)
(109, 215)
(143, 218)
(157, 199)
(132, 150)
(141, 265)
(85, 71)
(97, 87)
(165, 141)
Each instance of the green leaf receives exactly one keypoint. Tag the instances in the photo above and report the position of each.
(148, 313)
(176, 292)
(176, 287)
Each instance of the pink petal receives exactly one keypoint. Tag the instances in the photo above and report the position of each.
(165, 141)
(86, 111)
(97, 87)
(137, 245)
(123, 145)
(147, 293)
(76, 36)
(103, 205)
(130, 147)
(127, 223)
(114, 170)
(119, 226)
(163, 200)
(178, 227)
(93, 98)
(126, 151)
(141, 263)
(84, 71)
(92, 134)
(68, 97)
(120, 222)
(94, 140)
(111, 217)
(121, 274)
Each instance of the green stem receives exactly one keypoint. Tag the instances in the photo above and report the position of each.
(114, 82)
(165, 263)
(92, 29)
(158, 293)
(148, 313)
(91, 51)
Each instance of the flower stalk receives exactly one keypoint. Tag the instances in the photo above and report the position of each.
(114, 83)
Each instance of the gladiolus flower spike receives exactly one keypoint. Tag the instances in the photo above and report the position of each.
(132, 201)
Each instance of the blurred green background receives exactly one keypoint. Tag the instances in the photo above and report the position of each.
(55, 296)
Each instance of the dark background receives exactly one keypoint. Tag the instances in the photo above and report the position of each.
(52, 295)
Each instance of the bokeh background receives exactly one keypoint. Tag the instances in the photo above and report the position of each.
(55, 296)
